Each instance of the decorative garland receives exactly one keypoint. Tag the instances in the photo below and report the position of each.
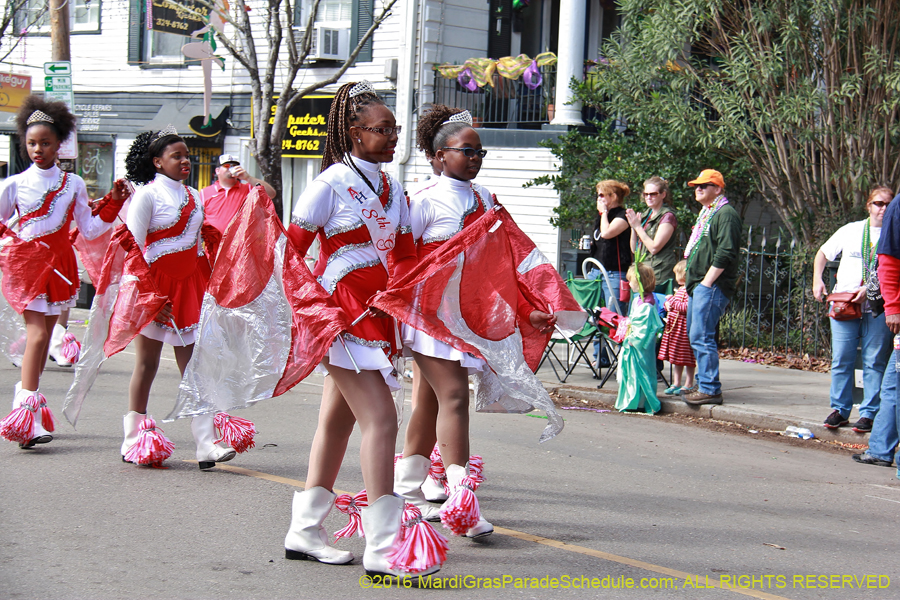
(701, 228)
(478, 72)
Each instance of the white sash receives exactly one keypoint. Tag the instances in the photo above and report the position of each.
(356, 193)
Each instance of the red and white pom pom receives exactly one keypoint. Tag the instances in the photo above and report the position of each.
(351, 506)
(18, 347)
(70, 349)
(460, 512)
(152, 447)
(418, 547)
(18, 426)
(47, 420)
(476, 468)
(436, 471)
(236, 432)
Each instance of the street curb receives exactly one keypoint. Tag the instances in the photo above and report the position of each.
(724, 412)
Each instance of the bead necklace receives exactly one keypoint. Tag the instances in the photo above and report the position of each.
(701, 227)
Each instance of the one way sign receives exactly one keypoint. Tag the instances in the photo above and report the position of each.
(58, 68)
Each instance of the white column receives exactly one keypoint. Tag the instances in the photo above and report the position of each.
(572, 14)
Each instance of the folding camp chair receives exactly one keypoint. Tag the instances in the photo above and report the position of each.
(588, 294)
(612, 349)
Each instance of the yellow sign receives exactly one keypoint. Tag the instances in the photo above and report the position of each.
(306, 128)
(13, 91)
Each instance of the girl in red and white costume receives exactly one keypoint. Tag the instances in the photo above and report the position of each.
(165, 217)
(47, 200)
(441, 403)
(361, 217)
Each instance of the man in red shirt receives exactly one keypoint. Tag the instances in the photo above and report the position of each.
(224, 198)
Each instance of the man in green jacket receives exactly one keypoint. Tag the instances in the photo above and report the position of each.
(712, 254)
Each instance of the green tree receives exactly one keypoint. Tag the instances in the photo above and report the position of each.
(806, 90)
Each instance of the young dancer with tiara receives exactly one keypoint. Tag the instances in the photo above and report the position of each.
(441, 403)
(165, 217)
(46, 200)
(361, 217)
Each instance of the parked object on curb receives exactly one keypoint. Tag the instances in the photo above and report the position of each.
(799, 432)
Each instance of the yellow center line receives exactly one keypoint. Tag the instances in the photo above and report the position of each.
(699, 581)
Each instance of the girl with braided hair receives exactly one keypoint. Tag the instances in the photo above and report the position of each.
(47, 200)
(166, 217)
(361, 218)
(441, 397)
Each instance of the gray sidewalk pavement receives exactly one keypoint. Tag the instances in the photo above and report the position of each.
(755, 395)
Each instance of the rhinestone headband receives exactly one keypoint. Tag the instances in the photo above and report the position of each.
(363, 87)
(460, 117)
(167, 130)
(39, 117)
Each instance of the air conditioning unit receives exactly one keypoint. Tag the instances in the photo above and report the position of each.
(328, 43)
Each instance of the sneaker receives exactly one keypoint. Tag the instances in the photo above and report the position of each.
(697, 398)
(835, 420)
(868, 459)
(688, 390)
(864, 425)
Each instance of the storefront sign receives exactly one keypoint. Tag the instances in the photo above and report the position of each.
(181, 17)
(89, 115)
(306, 128)
(13, 91)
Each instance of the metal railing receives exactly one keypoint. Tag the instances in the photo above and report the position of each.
(508, 104)
(773, 308)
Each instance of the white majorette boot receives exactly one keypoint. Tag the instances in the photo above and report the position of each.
(55, 352)
(382, 522)
(208, 454)
(130, 423)
(433, 488)
(307, 539)
(409, 475)
(461, 513)
(24, 423)
(433, 491)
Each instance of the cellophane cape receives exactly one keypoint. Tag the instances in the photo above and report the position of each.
(637, 361)
(126, 301)
(265, 323)
(25, 268)
(466, 295)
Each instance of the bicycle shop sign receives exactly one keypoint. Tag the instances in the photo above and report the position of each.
(89, 115)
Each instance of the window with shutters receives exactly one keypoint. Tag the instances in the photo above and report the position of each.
(84, 17)
(150, 48)
(355, 16)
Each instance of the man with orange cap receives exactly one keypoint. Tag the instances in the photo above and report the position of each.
(712, 255)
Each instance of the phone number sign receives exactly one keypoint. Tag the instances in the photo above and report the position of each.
(181, 17)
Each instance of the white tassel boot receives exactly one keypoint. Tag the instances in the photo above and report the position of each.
(455, 481)
(307, 538)
(409, 475)
(381, 523)
(433, 491)
(130, 423)
(41, 435)
(208, 454)
(55, 351)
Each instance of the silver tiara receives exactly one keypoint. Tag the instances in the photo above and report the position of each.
(39, 117)
(167, 130)
(460, 117)
(363, 87)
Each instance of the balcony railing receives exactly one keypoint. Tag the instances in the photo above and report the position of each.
(509, 104)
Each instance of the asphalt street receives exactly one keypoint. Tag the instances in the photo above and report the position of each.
(676, 511)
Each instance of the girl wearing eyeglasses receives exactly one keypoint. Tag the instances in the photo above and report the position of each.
(441, 395)
(361, 217)
(654, 229)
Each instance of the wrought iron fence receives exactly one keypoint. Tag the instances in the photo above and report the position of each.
(509, 103)
(773, 308)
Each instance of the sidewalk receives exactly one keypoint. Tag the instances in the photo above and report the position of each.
(755, 395)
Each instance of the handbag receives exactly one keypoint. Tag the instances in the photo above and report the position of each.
(842, 306)
(624, 286)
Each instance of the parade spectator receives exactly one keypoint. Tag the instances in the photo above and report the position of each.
(223, 198)
(654, 229)
(856, 244)
(712, 256)
(675, 346)
(637, 386)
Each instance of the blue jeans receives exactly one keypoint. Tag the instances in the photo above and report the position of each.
(873, 336)
(884, 437)
(705, 308)
(610, 299)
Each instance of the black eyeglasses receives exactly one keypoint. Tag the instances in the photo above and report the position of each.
(469, 152)
(702, 186)
(385, 131)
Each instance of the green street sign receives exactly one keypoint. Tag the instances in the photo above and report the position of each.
(58, 68)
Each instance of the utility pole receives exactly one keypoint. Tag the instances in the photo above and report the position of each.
(59, 30)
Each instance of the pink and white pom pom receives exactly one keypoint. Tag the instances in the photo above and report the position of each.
(476, 468)
(351, 506)
(418, 547)
(47, 420)
(152, 447)
(70, 349)
(436, 471)
(18, 426)
(460, 512)
(236, 432)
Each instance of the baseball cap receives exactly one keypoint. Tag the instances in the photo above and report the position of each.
(709, 176)
(229, 158)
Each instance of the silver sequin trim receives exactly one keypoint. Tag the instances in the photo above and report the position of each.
(184, 203)
(345, 249)
(329, 233)
(304, 224)
(168, 327)
(176, 238)
(52, 209)
(171, 251)
(349, 269)
(404, 230)
(462, 220)
(438, 238)
(371, 344)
